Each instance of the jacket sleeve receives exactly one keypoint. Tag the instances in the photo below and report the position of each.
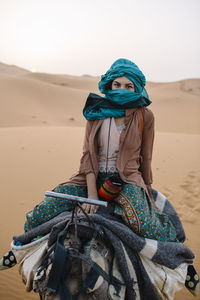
(85, 162)
(147, 147)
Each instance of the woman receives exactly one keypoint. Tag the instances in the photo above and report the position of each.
(116, 161)
(118, 142)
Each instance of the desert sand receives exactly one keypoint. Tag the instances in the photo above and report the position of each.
(41, 134)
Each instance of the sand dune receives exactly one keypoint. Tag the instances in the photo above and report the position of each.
(176, 109)
(35, 99)
(12, 70)
(28, 102)
(41, 134)
(85, 82)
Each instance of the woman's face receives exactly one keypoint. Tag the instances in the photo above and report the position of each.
(123, 83)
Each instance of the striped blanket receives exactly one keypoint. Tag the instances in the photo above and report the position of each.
(144, 264)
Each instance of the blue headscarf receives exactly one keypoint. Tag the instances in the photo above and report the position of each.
(118, 100)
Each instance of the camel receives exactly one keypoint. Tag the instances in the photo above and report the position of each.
(93, 257)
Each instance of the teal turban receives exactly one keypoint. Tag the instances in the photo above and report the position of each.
(124, 67)
(117, 101)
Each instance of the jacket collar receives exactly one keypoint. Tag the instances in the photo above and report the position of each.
(130, 111)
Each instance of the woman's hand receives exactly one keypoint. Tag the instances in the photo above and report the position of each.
(88, 208)
(92, 194)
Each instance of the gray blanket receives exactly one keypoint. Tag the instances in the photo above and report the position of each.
(169, 254)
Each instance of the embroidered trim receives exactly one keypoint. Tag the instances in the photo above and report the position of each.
(129, 212)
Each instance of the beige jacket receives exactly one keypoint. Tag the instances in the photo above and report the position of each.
(134, 157)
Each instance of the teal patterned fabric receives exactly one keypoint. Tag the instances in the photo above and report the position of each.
(132, 204)
(51, 207)
(137, 211)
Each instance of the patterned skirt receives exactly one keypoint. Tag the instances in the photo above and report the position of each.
(132, 204)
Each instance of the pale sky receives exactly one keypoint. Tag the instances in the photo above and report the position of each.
(86, 36)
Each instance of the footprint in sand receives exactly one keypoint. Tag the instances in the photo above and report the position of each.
(191, 175)
(197, 208)
(190, 199)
